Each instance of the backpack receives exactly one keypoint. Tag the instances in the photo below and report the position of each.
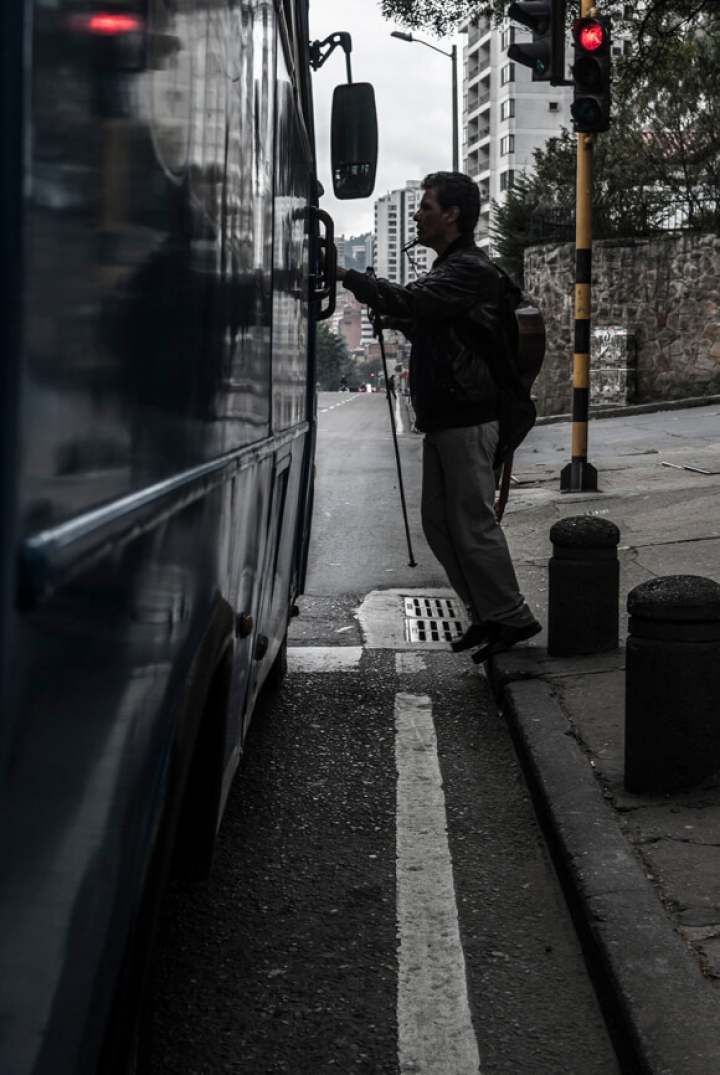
(515, 363)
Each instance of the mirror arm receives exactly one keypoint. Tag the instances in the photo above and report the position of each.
(318, 57)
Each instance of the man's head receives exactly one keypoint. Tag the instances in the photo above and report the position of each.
(450, 208)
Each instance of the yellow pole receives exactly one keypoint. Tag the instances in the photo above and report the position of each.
(579, 474)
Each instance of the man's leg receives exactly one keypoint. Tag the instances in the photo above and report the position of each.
(466, 536)
(435, 522)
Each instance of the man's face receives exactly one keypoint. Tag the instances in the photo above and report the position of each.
(434, 224)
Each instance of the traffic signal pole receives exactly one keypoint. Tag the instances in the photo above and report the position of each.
(591, 113)
(580, 475)
(591, 71)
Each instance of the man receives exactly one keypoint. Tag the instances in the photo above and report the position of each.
(452, 317)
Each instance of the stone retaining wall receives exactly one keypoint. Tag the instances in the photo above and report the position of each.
(666, 291)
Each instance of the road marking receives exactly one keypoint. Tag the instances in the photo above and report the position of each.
(324, 658)
(435, 1033)
(332, 406)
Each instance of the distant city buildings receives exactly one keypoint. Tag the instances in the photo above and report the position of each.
(349, 321)
(356, 252)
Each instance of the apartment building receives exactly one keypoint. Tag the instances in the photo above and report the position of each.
(394, 227)
(506, 116)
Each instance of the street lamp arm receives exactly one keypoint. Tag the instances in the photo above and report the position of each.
(418, 41)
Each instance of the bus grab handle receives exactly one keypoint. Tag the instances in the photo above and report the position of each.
(322, 285)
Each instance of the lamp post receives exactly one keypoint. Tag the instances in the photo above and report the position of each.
(453, 58)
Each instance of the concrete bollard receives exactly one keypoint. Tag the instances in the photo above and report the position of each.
(584, 587)
(672, 684)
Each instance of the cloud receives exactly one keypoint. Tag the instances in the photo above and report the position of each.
(413, 94)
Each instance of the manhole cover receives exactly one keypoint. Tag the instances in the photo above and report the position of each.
(432, 619)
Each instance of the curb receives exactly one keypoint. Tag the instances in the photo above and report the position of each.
(634, 408)
(650, 985)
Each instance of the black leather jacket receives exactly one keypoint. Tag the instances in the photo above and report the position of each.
(451, 315)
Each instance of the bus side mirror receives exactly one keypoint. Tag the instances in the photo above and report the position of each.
(354, 140)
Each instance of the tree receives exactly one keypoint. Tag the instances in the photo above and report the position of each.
(438, 16)
(682, 120)
(332, 362)
(515, 225)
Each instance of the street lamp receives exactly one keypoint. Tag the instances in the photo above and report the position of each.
(453, 58)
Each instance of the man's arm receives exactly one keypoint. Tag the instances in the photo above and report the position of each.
(451, 289)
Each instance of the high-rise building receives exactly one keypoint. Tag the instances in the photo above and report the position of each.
(506, 116)
(394, 228)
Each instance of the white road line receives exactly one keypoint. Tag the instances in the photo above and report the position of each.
(332, 406)
(435, 1033)
(324, 658)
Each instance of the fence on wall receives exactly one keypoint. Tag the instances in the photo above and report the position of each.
(556, 223)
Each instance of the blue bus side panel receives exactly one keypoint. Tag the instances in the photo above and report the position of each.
(97, 690)
(164, 257)
(290, 342)
(148, 248)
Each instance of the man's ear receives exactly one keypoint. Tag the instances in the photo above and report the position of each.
(453, 213)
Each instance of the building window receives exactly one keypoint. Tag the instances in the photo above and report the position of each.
(507, 144)
(507, 74)
(553, 106)
(507, 180)
(507, 108)
(508, 37)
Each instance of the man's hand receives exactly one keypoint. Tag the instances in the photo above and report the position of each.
(380, 320)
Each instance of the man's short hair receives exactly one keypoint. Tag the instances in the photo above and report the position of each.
(456, 188)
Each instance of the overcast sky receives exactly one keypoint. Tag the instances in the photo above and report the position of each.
(413, 94)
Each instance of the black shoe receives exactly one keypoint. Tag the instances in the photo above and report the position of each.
(502, 637)
(475, 634)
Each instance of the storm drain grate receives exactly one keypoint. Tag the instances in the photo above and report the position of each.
(432, 619)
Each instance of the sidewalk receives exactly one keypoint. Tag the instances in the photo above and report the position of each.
(643, 873)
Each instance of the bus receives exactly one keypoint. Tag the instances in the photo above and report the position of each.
(161, 281)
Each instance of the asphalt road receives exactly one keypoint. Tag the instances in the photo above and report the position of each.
(382, 899)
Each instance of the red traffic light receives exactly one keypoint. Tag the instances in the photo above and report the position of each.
(592, 74)
(589, 34)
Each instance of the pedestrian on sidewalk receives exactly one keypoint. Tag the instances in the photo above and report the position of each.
(450, 315)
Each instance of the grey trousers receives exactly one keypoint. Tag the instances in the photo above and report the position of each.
(458, 517)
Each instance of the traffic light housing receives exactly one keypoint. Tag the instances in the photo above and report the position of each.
(592, 73)
(545, 54)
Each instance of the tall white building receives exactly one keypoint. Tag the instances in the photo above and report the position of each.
(506, 116)
(394, 227)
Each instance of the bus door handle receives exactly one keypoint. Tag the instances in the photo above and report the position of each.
(323, 283)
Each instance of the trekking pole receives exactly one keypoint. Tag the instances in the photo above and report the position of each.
(377, 329)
